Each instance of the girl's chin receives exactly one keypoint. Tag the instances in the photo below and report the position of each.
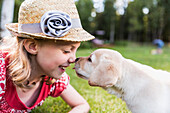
(58, 76)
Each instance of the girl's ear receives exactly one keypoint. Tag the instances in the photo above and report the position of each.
(31, 46)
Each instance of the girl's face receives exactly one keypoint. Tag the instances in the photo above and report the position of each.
(53, 57)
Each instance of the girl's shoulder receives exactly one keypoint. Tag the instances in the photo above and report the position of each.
(3, 64)
(64, 79)
(2, 72)
(4, 54)
(60, 84)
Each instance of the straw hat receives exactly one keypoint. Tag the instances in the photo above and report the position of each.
(49, 19)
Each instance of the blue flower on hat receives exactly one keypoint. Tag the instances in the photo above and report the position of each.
(55, 23)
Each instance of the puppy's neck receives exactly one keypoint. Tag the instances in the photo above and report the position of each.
(115, 90)
(130, 82)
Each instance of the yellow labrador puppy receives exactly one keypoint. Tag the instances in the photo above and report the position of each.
(144, 89)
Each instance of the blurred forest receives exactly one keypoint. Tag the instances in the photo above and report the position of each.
(133, 20)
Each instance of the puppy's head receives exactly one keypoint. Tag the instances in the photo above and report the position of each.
(102, 68)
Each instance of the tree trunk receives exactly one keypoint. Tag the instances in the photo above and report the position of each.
(6, 15)
(112, 30)
(122, 25)
(160, 30)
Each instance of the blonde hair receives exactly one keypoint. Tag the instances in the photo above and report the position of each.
(19, 68)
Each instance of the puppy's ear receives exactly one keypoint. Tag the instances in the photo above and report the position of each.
(105, 75)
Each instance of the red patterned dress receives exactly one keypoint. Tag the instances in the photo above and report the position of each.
(9, 100)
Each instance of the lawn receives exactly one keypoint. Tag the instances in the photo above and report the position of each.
(99, 100)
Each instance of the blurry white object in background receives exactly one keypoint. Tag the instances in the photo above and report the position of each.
(7, 13)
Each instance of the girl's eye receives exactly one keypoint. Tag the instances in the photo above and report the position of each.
(89, 59)
(66, 51)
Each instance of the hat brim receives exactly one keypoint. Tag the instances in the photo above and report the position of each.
(74, 34)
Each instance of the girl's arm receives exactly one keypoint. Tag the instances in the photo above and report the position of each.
(75, 100)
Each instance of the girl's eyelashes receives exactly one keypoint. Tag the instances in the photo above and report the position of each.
(66, 51)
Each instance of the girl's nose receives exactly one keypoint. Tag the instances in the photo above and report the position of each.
(72, 58)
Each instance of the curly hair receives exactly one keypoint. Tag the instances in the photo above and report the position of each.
(19, 68)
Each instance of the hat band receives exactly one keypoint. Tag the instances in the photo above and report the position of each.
(36, 27)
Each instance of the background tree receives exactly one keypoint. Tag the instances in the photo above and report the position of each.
(166, 17)
(156, 21)
(135, 22)
(6, 15)
(85, 8)
(106, 20)
(109, 18)
(16, 9)
(132, 25)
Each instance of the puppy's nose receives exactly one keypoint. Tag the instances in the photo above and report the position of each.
(77, 59)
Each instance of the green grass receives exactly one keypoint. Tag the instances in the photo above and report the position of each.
(100, 101)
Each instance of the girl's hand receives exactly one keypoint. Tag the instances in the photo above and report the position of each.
(75, 100)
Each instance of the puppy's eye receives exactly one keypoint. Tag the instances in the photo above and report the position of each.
(89, 59)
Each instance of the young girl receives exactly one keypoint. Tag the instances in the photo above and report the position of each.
(33, 60)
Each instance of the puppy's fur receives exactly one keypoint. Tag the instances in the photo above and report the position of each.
(144, 89)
